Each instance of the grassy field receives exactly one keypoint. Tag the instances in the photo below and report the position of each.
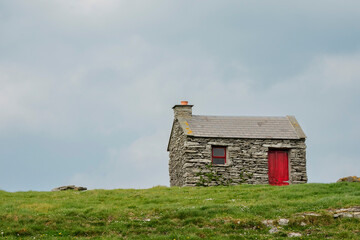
(234, 212)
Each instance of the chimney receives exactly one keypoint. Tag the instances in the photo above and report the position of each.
(183, 110)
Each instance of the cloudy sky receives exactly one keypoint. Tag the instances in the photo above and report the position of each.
(87, 86)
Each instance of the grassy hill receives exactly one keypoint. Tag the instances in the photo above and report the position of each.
(234, 212)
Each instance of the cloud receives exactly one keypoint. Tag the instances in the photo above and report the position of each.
(139, 164)
(16, 95)
(332, 167)
(88, 83)
(324, 98)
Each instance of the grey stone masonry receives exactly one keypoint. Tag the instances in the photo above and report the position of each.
(177, 151)
(184, 111)
(191, 154)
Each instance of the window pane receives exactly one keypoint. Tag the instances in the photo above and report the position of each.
(218, 152)
(218, 160)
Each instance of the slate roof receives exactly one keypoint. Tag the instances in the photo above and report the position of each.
(242, 127)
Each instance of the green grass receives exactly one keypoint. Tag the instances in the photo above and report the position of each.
(233, 212)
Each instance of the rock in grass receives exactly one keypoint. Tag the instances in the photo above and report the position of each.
(273, 230)
(268, 223)
(294, 234)
(311, 214)
(283, 221)
(68, 187)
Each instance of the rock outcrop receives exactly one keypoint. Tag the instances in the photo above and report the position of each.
(349, 179)
(69, 187)
(351, 212)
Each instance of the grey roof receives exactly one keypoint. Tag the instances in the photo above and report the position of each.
(242, 127)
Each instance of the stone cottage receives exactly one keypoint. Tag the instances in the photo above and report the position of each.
(233, 150)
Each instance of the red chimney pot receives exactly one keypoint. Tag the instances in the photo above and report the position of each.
(184, 102)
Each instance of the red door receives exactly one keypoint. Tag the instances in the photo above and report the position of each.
(278, 167)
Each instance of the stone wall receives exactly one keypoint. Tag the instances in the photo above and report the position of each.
(190, 155)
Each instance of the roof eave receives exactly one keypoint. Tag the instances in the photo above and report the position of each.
(278, 138)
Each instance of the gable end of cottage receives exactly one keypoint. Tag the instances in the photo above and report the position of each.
(176, 149)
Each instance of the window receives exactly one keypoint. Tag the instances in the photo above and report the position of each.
(218, 155)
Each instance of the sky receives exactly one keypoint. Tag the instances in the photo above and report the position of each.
(87, 87)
